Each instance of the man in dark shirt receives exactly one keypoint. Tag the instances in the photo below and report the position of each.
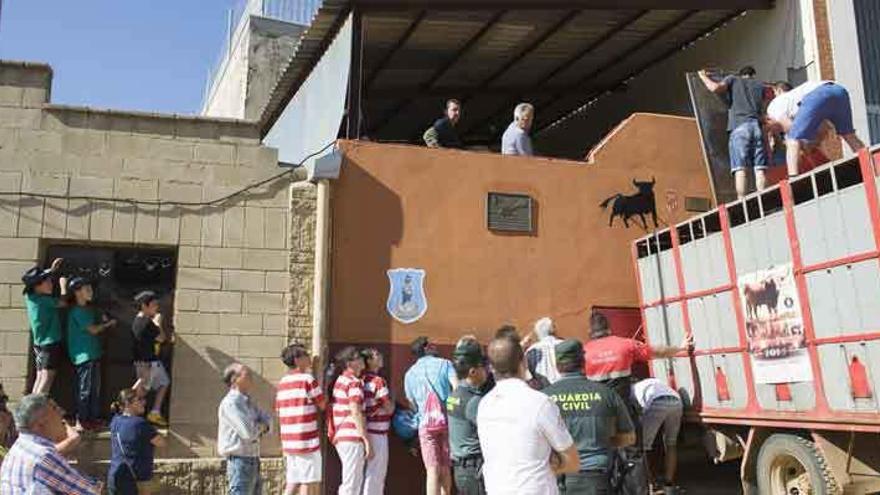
(745, 99)
(461, 408)
(151, 375)
(596, 417)
(443, 134)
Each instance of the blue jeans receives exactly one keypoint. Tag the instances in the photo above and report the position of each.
(243, 476)
(747, 147)
(88, 391)
(827, 102)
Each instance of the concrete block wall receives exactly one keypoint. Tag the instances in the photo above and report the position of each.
(233, 284)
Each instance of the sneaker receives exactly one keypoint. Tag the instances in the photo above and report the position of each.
(157, 419)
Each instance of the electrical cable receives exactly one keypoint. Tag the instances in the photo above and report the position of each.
(159, 202)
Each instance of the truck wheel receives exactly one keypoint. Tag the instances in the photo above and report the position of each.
(791, 465)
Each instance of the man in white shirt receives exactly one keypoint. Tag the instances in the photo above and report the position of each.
(542, 354)
(524, 441)
(241, 424)
(661, 406)
(516, 140)
(801, 113)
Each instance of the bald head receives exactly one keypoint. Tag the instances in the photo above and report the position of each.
(506, 356)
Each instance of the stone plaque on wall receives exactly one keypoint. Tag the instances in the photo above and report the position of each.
(508, 212)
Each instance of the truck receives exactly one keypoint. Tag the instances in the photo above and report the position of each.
(780, 293)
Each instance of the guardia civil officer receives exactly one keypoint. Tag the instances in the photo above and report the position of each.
(461, 407)
(596, 417)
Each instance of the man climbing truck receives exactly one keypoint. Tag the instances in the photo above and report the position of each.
(779, 292)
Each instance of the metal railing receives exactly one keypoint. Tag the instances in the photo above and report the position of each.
(293, 11)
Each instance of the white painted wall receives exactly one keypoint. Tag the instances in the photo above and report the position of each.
(772, 41)
(226, 97)
(847, 63)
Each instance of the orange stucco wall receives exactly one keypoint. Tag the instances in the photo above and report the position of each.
(398, 206)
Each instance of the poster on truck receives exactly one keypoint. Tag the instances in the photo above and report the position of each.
(774, 326)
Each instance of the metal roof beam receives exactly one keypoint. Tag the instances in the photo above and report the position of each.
(414, 25)
(471, 5)
(610, 88)
(559, 69)
(471, 42)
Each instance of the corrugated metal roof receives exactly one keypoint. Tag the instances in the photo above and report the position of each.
(492, 57)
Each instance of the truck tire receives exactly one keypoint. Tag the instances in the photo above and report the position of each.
(791, 465)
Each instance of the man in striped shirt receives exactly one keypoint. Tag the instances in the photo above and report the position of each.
(298, 401)
(33, 465)
(349, 423)
(379, 407)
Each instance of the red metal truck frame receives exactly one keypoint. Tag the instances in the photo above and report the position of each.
(821, 416)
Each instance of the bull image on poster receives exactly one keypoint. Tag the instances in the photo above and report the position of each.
(774, 326)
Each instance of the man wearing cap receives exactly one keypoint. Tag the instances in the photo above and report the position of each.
(596, 417)
(42, 309)
(84, 351)
(461, 408)
(151, 374)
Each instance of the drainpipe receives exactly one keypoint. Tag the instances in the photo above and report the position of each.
(321, 285)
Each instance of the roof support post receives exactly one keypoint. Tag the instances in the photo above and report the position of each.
(353, 112)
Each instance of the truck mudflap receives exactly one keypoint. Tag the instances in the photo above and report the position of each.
(779, 292)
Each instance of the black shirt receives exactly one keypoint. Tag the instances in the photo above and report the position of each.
(461, 409)
(145, 333)
(745, 99)
(447, 136)
(593, 413)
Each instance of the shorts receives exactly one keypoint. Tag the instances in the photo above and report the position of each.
(827, 102)
(666, 412)
(48, 357)
(746, 146)
(435, 448)
(153, 374)
(303, 468)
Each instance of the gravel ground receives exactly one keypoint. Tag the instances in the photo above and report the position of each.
(699, 476)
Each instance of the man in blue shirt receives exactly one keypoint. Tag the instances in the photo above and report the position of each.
(431, 375)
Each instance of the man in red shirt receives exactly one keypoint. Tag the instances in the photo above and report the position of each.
(609, 358)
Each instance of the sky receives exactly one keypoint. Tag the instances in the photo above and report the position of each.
(149, 55)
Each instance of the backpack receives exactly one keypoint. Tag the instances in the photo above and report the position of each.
(434, 415)
(628, 473)
(405, 423)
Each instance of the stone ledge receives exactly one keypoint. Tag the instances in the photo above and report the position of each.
(204, 476)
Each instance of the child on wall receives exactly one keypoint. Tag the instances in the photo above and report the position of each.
(42, 309)
(132, 444)
(151, 374)
(299, 401)
(84, 351)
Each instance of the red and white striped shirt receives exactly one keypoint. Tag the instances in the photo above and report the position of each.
(376, 395)
(296, 402)
(347, 389)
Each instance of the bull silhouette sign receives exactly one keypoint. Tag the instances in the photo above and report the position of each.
(640, 203)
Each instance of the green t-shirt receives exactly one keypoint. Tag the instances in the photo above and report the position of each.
(82, 346)
(593, 414)
(461, 409)
(42, 312)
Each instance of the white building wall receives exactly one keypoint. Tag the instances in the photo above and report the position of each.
(773, 41)
(226, 95)
(847, 64)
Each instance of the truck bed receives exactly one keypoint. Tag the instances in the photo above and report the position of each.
(781, 293)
